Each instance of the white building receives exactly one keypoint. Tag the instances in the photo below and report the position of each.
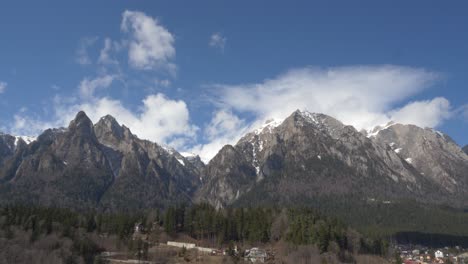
(256, 255)
(439, 254)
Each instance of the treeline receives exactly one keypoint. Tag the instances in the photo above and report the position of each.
(63, 225)
(200, 221)
(253, 225)
(42, 220)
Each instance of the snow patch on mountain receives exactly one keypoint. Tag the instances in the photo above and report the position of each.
(181, 161)
(188, 155)
(268, 126)
(375, 131)
(27, 139)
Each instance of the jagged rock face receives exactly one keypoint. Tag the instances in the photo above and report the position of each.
(146, 174)
(196, 161)
(306, 156)
(93, 166)
(228, 173)
(7, 146)
(62, 168)
(465, 149)
(432, 153)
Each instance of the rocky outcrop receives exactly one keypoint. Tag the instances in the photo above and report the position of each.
(435, 155)
(146, 174)
(62, 168)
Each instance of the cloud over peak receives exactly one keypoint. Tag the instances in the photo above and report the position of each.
(361, 96)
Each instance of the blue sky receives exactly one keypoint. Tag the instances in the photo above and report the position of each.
(198, 74)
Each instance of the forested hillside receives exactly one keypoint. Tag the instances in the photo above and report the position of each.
(46, 235)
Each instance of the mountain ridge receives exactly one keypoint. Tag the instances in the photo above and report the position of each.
(293, 161)
(308, 145)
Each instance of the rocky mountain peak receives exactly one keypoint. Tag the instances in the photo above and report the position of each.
(81, 124)
(322, 122)
(108, 126)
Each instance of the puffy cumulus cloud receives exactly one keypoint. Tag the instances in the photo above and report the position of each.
(360, 96)
(88, 86)
(150, 44)
(429, 113)
(158, 119)
(217, 41)
(82, 56)
(3, 86)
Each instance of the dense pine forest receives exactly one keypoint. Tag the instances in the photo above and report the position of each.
(51, 235)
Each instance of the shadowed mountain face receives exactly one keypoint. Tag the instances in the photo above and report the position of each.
(90, 166)
(465, 149)
(145, 174)
(313, 155)
(301, 160)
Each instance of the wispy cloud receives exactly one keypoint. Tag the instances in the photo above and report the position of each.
(217, 40)
(88, 86)
(82, 55)
(105, 56)
(3, 86)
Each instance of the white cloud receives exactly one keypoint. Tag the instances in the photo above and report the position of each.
(224, 128)
(82, 56)
(158, 118)
(24, 124)
(3, 86)
(223, 122)
(429, 113)
(462, 111)
(162, 83)
(104, 55)
(88, 86)
(360, 96)
(217, 41)
(150, 44)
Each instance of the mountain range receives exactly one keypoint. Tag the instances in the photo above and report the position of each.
(296, 161)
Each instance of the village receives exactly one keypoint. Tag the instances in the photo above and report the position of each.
(424, 255)
(185, 250)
